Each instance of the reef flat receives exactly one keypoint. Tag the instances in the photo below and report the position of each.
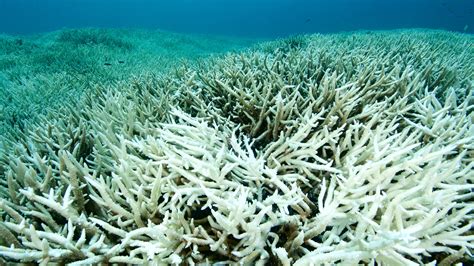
(352, 148)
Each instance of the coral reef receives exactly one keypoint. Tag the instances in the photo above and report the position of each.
(350, 148)
(39, 73)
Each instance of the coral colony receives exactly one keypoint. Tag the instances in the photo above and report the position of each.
(352, 148)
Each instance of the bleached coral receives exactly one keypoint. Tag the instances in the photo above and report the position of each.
(350, 149)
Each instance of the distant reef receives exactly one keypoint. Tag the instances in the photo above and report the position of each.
(354, 148)
(39, 73)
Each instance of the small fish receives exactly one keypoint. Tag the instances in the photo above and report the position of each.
(107, 64)
(121, 62)
(466, 27)
(307, 20)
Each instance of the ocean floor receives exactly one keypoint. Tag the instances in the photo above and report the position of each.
(122, 146)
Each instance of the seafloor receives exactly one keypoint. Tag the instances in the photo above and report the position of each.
(121, 146)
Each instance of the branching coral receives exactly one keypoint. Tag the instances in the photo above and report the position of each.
(349, 148)
(40, 73)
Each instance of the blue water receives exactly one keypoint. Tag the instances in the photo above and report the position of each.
(265, 18)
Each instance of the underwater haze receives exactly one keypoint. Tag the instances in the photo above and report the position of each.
(263, 18)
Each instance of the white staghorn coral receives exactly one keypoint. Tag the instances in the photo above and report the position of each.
(300, 152)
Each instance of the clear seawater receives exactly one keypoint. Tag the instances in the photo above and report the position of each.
(251, 18)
